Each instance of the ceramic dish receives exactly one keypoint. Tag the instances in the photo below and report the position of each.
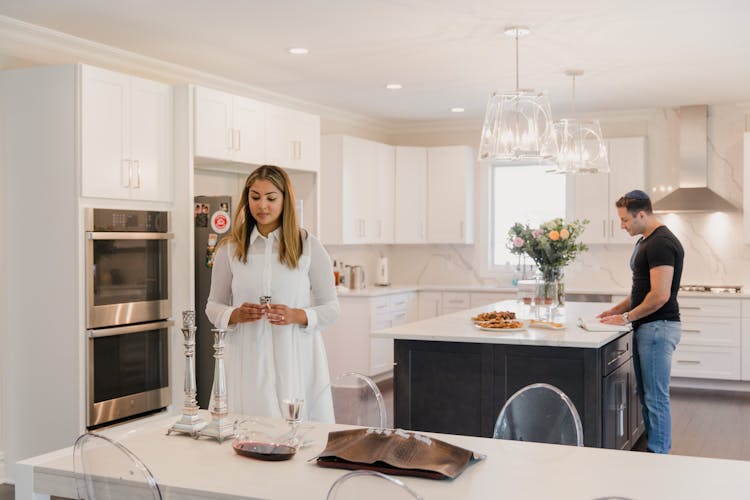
(546, 325)
(502, 330)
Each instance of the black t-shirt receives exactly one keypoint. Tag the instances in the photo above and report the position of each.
(661, 248)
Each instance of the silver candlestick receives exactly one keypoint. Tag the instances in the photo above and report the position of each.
(220, 426)
(190, 422)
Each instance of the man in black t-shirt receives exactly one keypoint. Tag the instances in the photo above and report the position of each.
(653, 310)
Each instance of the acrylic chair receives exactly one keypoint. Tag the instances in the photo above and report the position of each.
(105, 469)
(356, 401)
(541, 413)
(370, 485)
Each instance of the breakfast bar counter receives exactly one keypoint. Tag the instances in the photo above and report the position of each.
(451, 377)
(188, 469)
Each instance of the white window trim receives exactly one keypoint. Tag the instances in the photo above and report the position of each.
(485, 228)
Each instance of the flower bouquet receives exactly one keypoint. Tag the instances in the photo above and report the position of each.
(552, 246)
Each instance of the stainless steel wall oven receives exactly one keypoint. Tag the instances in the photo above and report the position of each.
(128, 297)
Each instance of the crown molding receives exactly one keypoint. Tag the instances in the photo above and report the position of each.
(37, 45)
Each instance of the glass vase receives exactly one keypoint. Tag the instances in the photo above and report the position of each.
(554, 288)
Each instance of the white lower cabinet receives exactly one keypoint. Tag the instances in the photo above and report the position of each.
(437, 303)
(745, 341)
(348, 342)
(710, 343)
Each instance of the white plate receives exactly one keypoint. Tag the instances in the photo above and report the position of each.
(545, 325)
(502, 330)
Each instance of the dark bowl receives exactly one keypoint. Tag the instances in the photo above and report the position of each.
(264, 451)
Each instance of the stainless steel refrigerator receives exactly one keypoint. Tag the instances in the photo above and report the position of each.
(212, 223)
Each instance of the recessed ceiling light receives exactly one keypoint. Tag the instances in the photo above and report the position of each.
(457, 110)
(394, 86)
(298, 51)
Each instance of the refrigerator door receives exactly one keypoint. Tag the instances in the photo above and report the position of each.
(212, 223)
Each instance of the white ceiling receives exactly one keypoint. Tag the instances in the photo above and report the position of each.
(446, 53)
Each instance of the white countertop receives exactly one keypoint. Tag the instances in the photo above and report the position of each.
(203, 469)
(376, 291)
(458, 327)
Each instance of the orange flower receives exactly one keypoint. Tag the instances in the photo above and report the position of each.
(564, 234)
(553, 235)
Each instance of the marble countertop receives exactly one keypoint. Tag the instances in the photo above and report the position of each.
(376, 291)
(458, 327)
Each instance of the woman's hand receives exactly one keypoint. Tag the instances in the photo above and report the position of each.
(279, 314)
(247, 313)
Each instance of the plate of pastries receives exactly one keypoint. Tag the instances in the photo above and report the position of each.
(499, 321)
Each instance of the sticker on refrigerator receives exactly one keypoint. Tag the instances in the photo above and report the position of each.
(220, 221)
(201, 215)
(210, 250)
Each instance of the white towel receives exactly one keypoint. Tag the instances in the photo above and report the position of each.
(594, 325)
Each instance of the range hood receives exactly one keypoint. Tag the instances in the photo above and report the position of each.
(693, 193)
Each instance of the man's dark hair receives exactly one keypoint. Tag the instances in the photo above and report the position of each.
(635, 201)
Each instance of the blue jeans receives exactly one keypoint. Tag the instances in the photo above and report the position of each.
(653, 347)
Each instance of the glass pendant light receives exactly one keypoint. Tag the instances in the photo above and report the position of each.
(518, 124)
(581, 148)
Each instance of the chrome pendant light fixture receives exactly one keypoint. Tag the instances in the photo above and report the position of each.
(518, 124)
(581, 148)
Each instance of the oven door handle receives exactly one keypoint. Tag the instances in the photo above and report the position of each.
(99, 235)
(121, 330)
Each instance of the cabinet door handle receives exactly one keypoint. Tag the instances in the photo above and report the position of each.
(685, 330)
(604, 228)
(620, 353)
(424, 230)
(123, 177)
(230, 139)
(461, 231)
(612, 228)
(137, 171)
(299, 150)
(689, 361)
(621, 406)
(239, 140)
(692, 308)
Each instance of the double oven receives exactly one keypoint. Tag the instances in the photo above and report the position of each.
(128, 301)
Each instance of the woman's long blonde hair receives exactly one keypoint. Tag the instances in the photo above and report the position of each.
(290, 241)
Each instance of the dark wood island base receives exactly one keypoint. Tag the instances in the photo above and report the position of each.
(460, 387)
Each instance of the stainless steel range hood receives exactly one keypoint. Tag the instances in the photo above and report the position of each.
(693, 193)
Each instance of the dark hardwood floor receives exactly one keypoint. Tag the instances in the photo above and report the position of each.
(705, 423)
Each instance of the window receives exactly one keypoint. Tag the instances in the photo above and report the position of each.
(526, 194)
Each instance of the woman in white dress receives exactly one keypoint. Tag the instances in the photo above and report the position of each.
(274, 351)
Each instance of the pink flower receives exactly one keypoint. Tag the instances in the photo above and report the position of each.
(564, 234)
(518, 242)
(536, 233)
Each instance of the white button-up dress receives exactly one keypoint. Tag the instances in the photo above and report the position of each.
(266, 363)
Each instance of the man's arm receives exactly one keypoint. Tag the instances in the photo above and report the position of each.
(661, 288)
(619, 308)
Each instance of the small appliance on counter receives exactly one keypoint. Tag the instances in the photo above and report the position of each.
(356, 277)
(382, 279)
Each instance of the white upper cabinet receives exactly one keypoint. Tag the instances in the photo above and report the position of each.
(126, 136)
(450, 200)
(292, 139)
(410, 224)
(229, 127)
(383, 208)
(357, 191)
(594, 195)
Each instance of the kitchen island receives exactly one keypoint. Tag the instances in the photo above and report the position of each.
(451, 377)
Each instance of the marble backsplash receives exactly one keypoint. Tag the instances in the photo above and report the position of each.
(715, 253)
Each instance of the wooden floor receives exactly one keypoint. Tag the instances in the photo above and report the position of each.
(710, 424)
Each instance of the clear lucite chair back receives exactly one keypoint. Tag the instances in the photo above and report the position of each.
(541, 413)
(356, 401)
(370, 485)
(105, 469)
